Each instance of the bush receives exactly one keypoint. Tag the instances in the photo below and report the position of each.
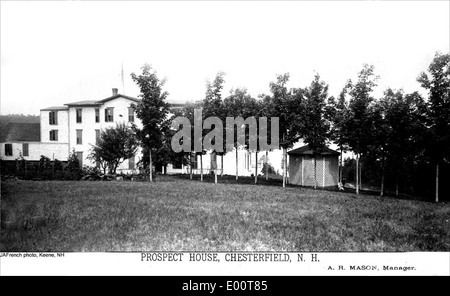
(270, 169)
(73, 166)
(91, 173)
(58, 165)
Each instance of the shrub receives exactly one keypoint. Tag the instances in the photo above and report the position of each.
(73, 167)
(44, 163)
(58, 165)
(270, 168)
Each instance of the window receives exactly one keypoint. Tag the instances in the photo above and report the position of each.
(25, 151)
(247, 161)
(80, 158)
(54, 135)
(53, 118)
(194, 161)
(79, 117)
(109, 114)
(97, 115)
(131, 114)
(131, 163)
(97, 136)
(8, 149)
(213, 161)
(79, 137)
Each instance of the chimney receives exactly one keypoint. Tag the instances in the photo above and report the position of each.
(114, 91)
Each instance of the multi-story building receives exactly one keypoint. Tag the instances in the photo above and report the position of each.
(72, 127)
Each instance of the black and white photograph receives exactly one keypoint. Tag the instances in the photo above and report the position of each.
(237, 137)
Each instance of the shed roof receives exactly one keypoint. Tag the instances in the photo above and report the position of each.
(21, 132)
(305, 150)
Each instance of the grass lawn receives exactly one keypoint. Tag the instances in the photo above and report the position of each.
(178, 214)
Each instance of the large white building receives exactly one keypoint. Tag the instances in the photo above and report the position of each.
(77, 125)
(72, 127)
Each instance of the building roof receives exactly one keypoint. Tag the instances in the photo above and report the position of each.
(84, 103)
(118, 96)
(305, 150)
(55, 108)
(96, 103)
(21, 132)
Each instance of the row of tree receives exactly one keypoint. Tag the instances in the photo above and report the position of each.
(394, 130)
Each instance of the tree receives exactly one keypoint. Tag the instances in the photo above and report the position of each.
(381, 137)
(337, 113)
(188, 111)
(399, 126)
(288, 108)
(165, 155)
(73, 166)
(265, 111)
(213, 107)
(358, 128)
(437, 82)
(152, 110)
(96, 155)
(259, 112)
(315, 127)
(239, 104)
(114, 145)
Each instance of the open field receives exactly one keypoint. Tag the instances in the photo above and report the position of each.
(176, 213)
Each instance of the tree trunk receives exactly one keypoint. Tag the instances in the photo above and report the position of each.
(221, 165)
(315, 172)
(237, 173)
(214, 165)
(382, 177)
(267, 164)
(284, 167)
(115, 165)
(201, 167)
(360, 173)
(190, 165)
(256, 168)
(437, 182)
(357, 174)
(396, 183)
(151, 165)
(340, 168)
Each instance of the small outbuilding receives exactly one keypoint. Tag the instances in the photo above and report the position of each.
(301, 167)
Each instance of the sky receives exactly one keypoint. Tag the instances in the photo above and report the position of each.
(59, 52)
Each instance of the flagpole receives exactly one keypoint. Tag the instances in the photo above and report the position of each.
(123, 81)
